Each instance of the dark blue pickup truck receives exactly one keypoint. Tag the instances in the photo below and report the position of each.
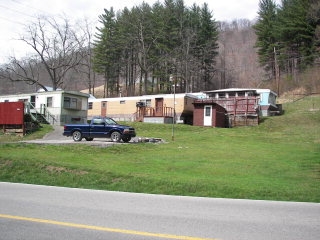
(99, 127)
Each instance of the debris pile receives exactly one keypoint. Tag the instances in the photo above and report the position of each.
(147, 140)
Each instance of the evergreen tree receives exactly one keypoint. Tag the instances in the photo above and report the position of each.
(296, 34)
(314, 19)
(106, 52)
(147, 45)
(266, 36)
(286, 36)
(207, 44)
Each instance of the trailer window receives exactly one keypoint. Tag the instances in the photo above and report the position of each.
(49, 101)
(72, 103)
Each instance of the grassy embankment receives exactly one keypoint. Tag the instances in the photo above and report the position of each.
(277, 160)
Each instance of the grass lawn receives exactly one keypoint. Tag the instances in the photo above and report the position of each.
(277, 160)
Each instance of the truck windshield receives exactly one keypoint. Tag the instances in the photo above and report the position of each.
(110, 121)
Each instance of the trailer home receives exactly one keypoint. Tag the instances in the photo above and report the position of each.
(243, 106)
(53, 107)
(160, 108)
(266, 103)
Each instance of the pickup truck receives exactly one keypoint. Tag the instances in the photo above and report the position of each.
(99, 127)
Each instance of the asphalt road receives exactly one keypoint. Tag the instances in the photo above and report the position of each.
(42, 212)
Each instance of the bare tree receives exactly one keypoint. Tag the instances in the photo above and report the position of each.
(237, 62)
(57, 49)
(26, 70)
(85, 67)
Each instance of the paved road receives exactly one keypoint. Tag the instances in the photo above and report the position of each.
(42, 212)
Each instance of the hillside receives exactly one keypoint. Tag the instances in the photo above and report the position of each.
(277, 160)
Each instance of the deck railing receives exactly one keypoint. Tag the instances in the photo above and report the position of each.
(153, 112)
(235, 105)
(42, 114)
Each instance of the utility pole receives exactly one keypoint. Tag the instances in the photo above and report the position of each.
(174, 107)
(277, 70)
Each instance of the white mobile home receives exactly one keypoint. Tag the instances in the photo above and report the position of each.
(57, 107)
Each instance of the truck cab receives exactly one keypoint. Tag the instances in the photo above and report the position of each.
(100, 127)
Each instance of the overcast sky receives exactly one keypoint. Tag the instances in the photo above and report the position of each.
(15, 13)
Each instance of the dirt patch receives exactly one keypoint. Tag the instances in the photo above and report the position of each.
(7, 163)
(53, 169)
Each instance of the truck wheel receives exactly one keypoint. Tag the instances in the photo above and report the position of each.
(126, 139)
(89, 138)
(115, 137)
(77, 136)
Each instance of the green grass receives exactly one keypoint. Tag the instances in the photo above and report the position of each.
(277, 160)
(44, 129)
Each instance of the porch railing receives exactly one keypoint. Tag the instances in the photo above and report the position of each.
(153, 112)
(40, 115)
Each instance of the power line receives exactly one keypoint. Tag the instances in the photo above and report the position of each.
(12, 21)
(30, 7)
(16, 11)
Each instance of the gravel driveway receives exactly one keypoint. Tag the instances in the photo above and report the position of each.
(56, 137)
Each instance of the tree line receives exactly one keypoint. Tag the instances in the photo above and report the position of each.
(288, 37)
(155, 48)
(165, 47)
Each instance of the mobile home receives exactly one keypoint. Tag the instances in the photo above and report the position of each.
(160, 108)
(56, 107)
(266, 104)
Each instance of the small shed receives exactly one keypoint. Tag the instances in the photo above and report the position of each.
(209, 113)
